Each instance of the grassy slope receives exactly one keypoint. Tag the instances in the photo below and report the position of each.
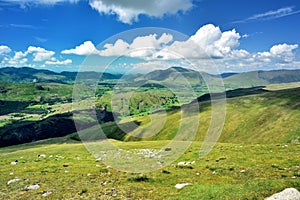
(268, 117)
(76, 175)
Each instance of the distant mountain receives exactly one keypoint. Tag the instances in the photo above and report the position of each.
(29, 75)
(261, 78)
(225, 75)
(179, 75)
(175, 76)
(171, 76)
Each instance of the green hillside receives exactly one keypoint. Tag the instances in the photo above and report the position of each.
(261, 78)
(252, 116)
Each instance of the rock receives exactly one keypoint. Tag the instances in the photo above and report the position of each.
(181, 185)
(242, 171)
(13, 181)
(14, 162)
(186, 163)
(33, 187)
(168, 149)
(287, 194)
(42, 156)
(45, 194)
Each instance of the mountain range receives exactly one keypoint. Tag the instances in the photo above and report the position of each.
(173, 75)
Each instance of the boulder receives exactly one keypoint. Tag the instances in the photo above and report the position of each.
(287, 194)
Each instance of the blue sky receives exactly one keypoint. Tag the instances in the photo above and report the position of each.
(234, 35)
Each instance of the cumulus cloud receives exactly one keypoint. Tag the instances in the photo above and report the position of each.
(129, 11)
(4, 49)
(40, 54)
(141, 47)
(281, 53)
(208, 42)
(33, 54)
(87, 48)
(57, 62)
(284, 52)
(126, 11)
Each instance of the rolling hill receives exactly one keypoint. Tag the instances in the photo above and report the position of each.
(253, 116)
(29, 75)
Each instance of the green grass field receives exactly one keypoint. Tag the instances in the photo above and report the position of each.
(230, 171)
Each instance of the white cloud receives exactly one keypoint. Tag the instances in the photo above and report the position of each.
(87, 48)
(4, 49)
(284, 52)
(57, 62)
(207, 42)
(20, 58)
(118, 48)
(272, 14)
(26, 3)
(40, 54)
(126, 11)
(129, 11)
(141, 47)
(281, 53)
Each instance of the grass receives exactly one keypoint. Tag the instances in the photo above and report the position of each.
(262, 118)
(230, 171)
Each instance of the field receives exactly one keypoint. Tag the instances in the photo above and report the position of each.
(230, 171)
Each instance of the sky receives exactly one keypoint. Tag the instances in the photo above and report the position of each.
(114, 35)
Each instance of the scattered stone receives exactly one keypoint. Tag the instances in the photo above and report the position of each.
(89, 174)
(197, 173)
(14, 162)
(13, 181)
(185, 163)
(11, 173)
(287, 194)
(33, 187)
(103, 183)
(168, 149)
(42, 156)
(243, 171)
(160, 163)
(181, 185)
(293, 177)
(45, 194)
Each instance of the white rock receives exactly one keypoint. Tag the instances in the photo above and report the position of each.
(185, 163)
(42, 156)
(243, 171)
(13, 181)
(14, 163)
(287, 194)
(46, 194)
(11, 173)
(181, 185)
(33, 187)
